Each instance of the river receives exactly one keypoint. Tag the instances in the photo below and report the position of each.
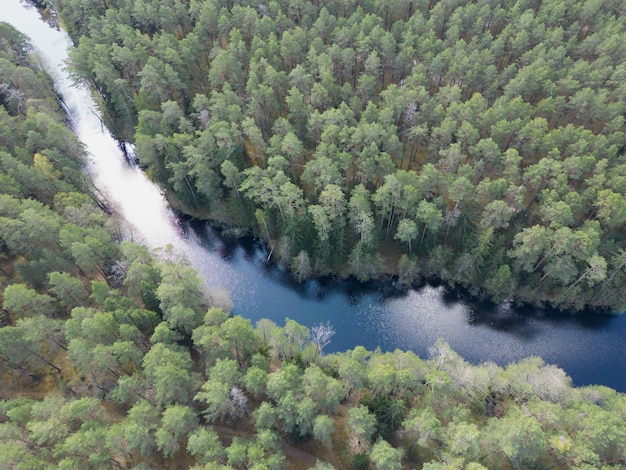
(590, 347)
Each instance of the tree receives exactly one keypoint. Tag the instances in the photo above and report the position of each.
(500, 285)
(236, 452)
(602, 431)
(240, 401)
(333, 207)
(289, 414)
(265, 416)
(458, 191)
(293, 148)
(381, 377)
(387, 198)
(320, 465)
(325, 391)
(531, 378)
(323, 226)
(301, 266)
(298, 110)
(24, 302)
(365, 264)
(462, 439)
(519, 437)
(218, 401)
(238, 332)
(322, 170)
(406, 232)
(296, 335)
(360, 215)
(528, 246)
(385, 457)
(323, 429)
(610, 208)
(321, 334)
(425, 424)
(181, 296)
(353, 374)
(67, 289)
(496, 214)
(139, 268)
(205, 446)
(430, 216)
(264, 329)
(85, 446)
(305, 412)
(287, 378)
(136, 432)
(177, 422)
(31, 345)
(362, 423)
(169, 371)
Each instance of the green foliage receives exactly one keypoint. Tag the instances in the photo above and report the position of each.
(362, 423)
(425, 424)
(177, 422)
(327, 128)
(168, 370)
(385, 457)
(204, 444)
(69, 290)
(181, 295)
(519, 437)
(323, 429)
(301, 266)
(389, 413)
(360, 461)
(498, 149)
(24, 302)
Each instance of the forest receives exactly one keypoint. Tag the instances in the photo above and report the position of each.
(113, 356)
(478, 143)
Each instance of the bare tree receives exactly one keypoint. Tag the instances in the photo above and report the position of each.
(321, 334)
(239, 401)
(118, 272)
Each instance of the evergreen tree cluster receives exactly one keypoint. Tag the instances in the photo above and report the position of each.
(481, 143)
(112, 356)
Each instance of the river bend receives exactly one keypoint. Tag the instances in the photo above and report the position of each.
(591, 348)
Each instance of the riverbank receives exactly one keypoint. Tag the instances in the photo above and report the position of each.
(363, 315)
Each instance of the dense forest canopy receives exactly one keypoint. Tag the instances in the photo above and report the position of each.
(115, 357)
(481, 143)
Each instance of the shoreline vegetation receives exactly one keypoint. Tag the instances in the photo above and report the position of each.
(115, 357)
(480, 143)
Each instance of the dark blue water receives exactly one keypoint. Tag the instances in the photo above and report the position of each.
(590, 347)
